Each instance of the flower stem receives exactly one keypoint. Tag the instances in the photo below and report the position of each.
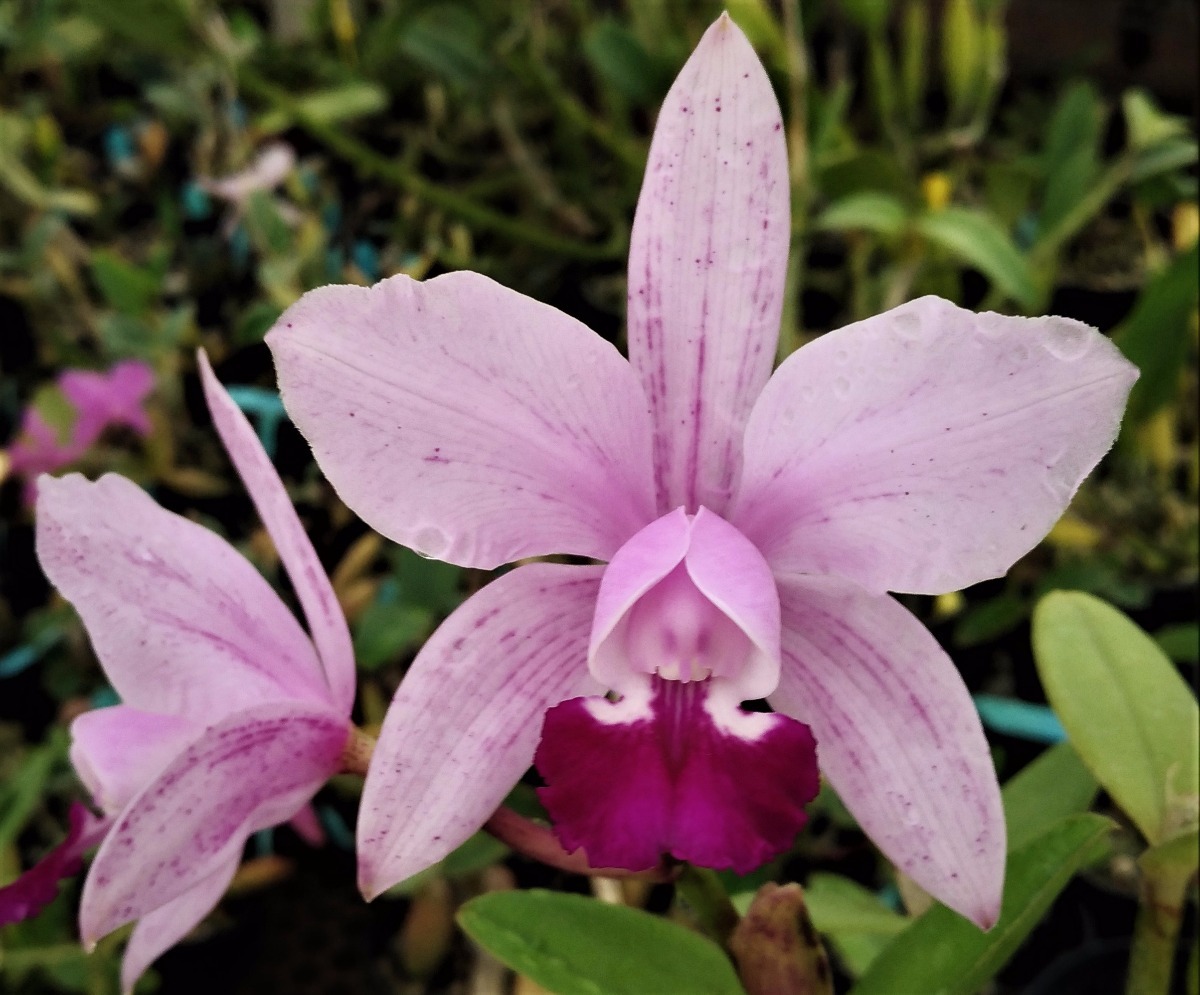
(1155, 932)
(706, 896)
(532, 839)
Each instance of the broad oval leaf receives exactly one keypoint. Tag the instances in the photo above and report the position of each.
(574, 945)
(943, 954)
(1126, 709)
(976, 239)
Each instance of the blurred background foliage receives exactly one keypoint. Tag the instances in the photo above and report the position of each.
(1013, 156)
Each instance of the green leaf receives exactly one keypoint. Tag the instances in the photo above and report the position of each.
(976, 239)
(126, 287)
(23, 792)
(1052, 787)
(577, 946)
(943, 954)
(1180, 642)
(962, 52)
(1071, 156)
(1156, 334)
(870, 15)
(1127, 710)
(619, 58)
(990, 619)
(871, 211)
(856, 922)
(1165, 157)
(339, 103)
(1146, 125)
(449, 40)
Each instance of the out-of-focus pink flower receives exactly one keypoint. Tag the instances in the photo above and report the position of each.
(752, 525)
(232, 716)
(273, 164)
(99, 401)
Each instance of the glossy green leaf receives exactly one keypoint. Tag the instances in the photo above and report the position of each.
(856, 923)
(339, 103)
(1145, 124)
(574, 945)
(943, 954)
(1180, 642)
(1128, 712)
(870, 211)
(1155, 335)
(1045, 791)
(977, 240)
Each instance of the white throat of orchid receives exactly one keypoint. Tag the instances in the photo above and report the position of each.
(687, 599)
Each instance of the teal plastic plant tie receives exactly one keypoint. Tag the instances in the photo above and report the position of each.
(27, 654)
(264, 406)
(336, 827)
(1035, 723)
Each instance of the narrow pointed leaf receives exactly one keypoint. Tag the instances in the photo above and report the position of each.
(977, 240)
(941, 954)
(577, 946)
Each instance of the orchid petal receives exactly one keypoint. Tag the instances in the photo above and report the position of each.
(467, 421)
(309, 580)
(118, 751)
(249, 771)
(898, 738)
(707, 263)
(161, 929)
(464, 724)
(182, 623)
(928, 448)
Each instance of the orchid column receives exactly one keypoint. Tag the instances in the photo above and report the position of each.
(751, 525)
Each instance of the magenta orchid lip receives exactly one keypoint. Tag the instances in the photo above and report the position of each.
(919, 451)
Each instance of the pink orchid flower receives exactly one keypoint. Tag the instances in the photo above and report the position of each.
(232, 717)
(100, 401)
(752, 526)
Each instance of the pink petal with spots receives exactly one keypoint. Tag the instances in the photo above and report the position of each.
(682, 773)
(182, 623)
(707, 262)
(464, 724)
(312, 587)
(118, 751)
(38, 886)
(928, 448)
(158, 931)
(900, 738)
(251, 770)
(466, 421)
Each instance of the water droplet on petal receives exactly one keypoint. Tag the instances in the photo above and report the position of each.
(430, 542)
(908, 325)
(1068, 340)
(841, 387)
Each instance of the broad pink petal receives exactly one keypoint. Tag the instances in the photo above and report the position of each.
(249, 771)
(309, 580)
(118, 751)
(181, 622)
(899, 738)
(161, 929)
(682, 774)
(706, 266)
(464, 724)
(928, 448)
(38, 887)
(467, 421)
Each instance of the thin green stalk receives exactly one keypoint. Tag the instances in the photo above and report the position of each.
(704, 894)
(791, 333)
(1155, 933)
(370, 162)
